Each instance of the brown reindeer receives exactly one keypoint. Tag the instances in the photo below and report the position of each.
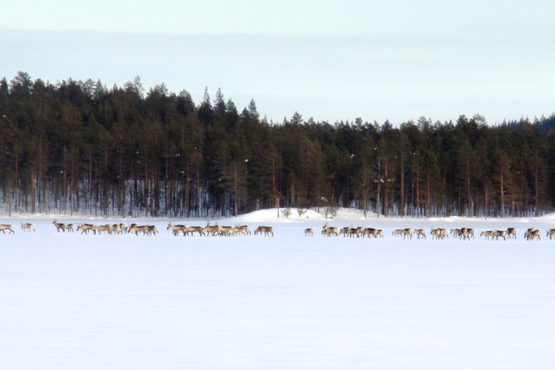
(345, 231)
(439, 233)
(420, 233)
(355, 231)
(470, 231)
(397, 232)
(212, 229)
(330, 231)
(500, 234)
(58, 225)
(196, 229)
(244, 229)
(239, 230)
(176, 229)
(227, 230)
(150, 230)
(370, 231)
(85, 228)
(308, 232)
(463, 233)
(104, 228)
(532, 234)
(266, 230)
(511, 232)
(489, 234)
(7, 227)
(27, 227)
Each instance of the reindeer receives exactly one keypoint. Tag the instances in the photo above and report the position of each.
(355, 231)
(500, 234)
(115, 229)
(397, 232)
(379, 233)
(150, 230)
(176, 229)
(463, 234)
(196, 229)
(489, 234)
(439, 233)
(308, 232)
(118, 228)
(266, 230)
(101, 228)
(7, 227)
(58, 225)
(69, 228)
(227, 231)
(407, 232)
(370, 231)
(135, 229)
(27, 227)
(212, 229)
(180, 229)
(550, 233)
(330, 231)
(144, 229)
(511, 232)
(239, 230)
(470, 231)
(128, 229)
(345, 231)
(532, 234)
(245, 229)
(420, 233)
(85, 228)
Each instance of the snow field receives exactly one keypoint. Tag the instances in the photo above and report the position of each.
(70, 301)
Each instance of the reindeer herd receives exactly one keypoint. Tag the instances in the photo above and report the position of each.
(118, 229)
(176, 230)
(463, 233)
(352, 232)
(217, 230)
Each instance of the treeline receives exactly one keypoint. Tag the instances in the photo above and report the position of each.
(79, 147)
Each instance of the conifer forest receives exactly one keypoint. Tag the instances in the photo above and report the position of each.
(78, 147)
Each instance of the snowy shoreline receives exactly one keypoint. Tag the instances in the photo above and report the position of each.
(345, 215)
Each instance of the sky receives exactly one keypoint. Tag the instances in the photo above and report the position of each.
(330, 60)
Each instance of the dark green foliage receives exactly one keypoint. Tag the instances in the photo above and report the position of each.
(80, 147)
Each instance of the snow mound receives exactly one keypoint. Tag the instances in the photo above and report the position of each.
(285, 215)
(290, 215)
(352, 214)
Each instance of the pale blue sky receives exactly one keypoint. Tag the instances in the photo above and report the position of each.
(330, 60)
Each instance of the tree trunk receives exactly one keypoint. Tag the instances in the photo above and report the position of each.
(402, 186)
(417, 191)
(235, 192)
(385, 192)
(536, 191)
(428, 194)
(502, 195)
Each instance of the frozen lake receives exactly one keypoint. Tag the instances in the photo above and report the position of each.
(70, 301)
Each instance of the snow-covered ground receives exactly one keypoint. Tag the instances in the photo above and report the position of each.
(70, 301)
